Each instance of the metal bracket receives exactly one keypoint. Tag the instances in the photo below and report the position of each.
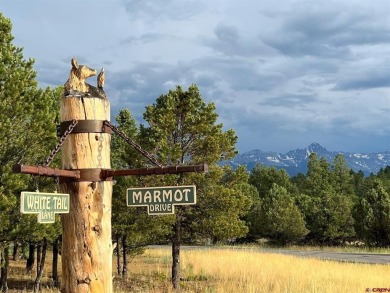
(86, 126)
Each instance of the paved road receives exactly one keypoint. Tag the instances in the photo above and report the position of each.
(372, 258)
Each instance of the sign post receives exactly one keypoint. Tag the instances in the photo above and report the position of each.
(161, 200)
(86, 185)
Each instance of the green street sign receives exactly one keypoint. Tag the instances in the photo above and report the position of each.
(46, 205)
(161, 200)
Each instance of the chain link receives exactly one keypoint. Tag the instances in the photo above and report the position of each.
(132, 143)
(60, 143)
(100, 148)
(114, 129)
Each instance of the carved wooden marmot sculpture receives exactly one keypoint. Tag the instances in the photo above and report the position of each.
(76, 84)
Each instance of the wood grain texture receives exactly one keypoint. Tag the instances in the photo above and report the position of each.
(87, 246)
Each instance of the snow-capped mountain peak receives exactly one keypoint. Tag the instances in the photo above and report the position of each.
(295, 161)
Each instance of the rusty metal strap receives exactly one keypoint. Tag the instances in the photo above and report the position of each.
(45, 171)
(158, 170)
(92, 175)
(85, 126)
(76, 175)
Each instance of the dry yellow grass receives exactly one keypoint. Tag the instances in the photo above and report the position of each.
(224, 271)
(248, 271)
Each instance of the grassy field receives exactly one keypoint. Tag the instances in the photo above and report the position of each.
(235, 271)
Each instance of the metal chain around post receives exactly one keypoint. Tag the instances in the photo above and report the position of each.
(132, 143)
(60, 143)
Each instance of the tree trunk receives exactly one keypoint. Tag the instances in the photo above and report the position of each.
(40, 264)
(118, 254)
(15, 251)
(176, 241)
(24, 247)
(86, 230)
(4, 270)
(124, 251)
(39, 255)
(54, 268)
(31, 257)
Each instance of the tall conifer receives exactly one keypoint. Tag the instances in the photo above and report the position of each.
(184, 130)
(27, 132)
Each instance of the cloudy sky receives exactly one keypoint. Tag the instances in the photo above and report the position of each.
(282, 73)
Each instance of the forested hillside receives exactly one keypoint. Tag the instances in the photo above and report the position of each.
(330, 204)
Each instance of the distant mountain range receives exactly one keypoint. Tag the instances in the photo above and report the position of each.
(295, 161)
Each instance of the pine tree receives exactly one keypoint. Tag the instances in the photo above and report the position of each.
(224, 199)
(318, 176)
(132, 228)
(342, 179)
(278, 218)
(263, 178)
(27, 129)
(384, 176)
(372, 213)
(183, 130)
(326, 201)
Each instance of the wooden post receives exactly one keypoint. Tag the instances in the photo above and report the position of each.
(86, 176)
(86, 230)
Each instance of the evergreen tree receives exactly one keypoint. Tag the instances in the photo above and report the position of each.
(225, 198)
(183, 130)
(318, 176)
(132, 228)
(384, 176)
(345, 197)
(263, 177)
(27, 129)
(358, 182)
(278, 218)
(342, 179)
(123, 154)
(299, 181)
(372, 213)
(326, 202)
